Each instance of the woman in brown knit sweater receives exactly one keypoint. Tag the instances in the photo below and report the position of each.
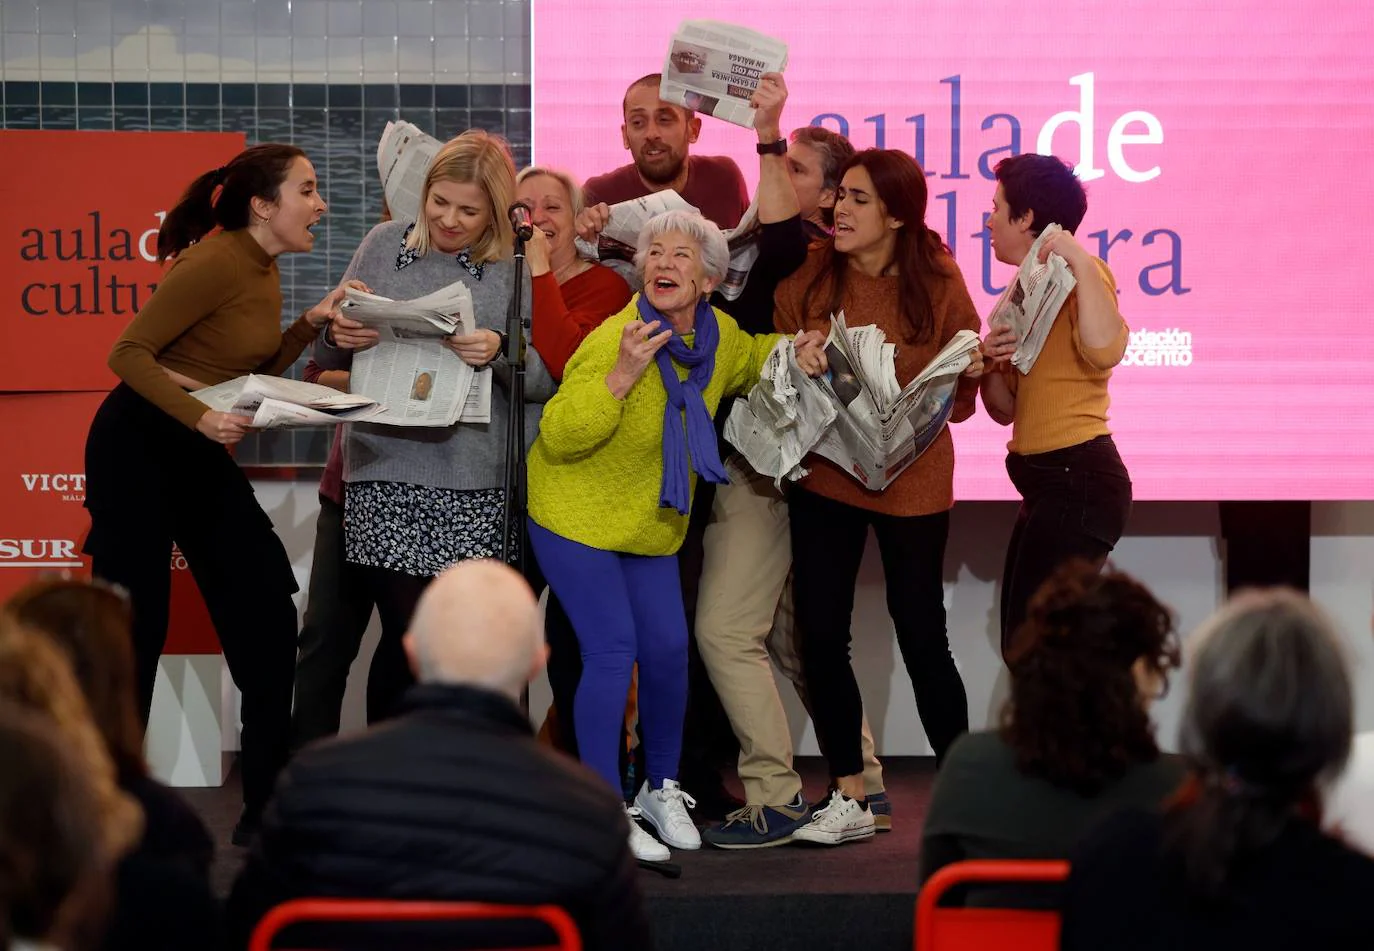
(882, 267)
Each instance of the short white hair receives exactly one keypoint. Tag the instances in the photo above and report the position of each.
(715, 250)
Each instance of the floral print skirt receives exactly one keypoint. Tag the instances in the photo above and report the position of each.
(420, 530)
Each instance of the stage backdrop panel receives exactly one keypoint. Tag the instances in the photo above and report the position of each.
(1223, 144)
(82, 212)
(44, 523)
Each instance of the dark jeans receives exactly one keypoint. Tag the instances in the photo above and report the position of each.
(828, 540)
(150, 482)
(338, 606)
(1075, 502)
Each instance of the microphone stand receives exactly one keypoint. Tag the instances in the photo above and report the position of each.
(514, 485)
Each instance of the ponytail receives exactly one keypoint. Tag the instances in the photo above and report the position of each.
(1218, 822)
(256, 172)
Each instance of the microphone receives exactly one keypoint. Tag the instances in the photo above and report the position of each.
(521, 221)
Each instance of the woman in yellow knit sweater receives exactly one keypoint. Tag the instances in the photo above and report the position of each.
(610, 486)
(1075, 489)
(883, 267)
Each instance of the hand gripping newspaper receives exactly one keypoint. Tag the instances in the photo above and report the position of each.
(274, 402)
(627, 218)
(403, 156)
(855, 415)
(714, 68)
(417, 379)
(1032, 301)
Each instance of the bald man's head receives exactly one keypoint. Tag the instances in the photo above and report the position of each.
(477, 623)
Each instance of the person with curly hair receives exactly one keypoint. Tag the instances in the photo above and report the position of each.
(1076, 741)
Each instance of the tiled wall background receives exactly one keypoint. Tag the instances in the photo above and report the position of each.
(326, 75)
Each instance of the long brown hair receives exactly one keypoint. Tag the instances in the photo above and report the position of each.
(1075, 716)
(920, 255)
(256, 172)
(92, 623)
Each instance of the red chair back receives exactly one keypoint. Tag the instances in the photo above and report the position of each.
(987, 929)
(338, 910)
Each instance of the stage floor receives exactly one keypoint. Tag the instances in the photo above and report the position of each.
(784, 898)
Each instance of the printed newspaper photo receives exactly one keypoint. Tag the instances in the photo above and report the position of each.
(714, 68)
(416, 378)
(1032, 301)
(856, 415)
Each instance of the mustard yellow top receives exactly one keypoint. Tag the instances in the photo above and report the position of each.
(1063, 401)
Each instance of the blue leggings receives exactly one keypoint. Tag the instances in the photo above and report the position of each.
(624, 608)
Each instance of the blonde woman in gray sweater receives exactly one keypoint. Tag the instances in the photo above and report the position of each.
(419, 500)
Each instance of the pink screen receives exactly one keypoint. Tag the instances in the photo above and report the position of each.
(1243, 138)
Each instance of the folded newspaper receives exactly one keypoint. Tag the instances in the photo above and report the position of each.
(278, 403)
(627, 218)
(714, 67)
(1032, 301)
(856, 415)
(403, 156)
(416, 378)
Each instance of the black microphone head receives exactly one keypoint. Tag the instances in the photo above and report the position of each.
(521, 220)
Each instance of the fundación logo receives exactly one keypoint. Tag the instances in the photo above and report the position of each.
(1159, 348)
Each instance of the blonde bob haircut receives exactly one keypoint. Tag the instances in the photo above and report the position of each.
(558, 175)
(479, 158)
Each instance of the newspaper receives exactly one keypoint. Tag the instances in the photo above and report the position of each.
(419, 380)
(274, 402)
(627, 218)
(714, 67)
(1032, 301)
(403, 157)
(855, 415)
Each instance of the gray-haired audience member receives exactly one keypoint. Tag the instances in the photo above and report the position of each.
(1238, 860)
(454, 799)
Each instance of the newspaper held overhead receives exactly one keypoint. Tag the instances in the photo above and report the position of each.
(856, 415)
(714, 67)
(410, 372)
(403, 157)
(274, 402)
(1032, 301)
(627, 218)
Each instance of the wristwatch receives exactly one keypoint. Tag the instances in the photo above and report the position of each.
(505, 344)
(778, 147)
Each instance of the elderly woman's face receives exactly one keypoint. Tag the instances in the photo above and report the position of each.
(674, 273)
(551, 209)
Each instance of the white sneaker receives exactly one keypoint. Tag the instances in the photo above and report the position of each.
(644, 846)
(840, 820)
(666, 810)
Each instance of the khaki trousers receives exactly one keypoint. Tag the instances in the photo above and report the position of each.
(744, 617)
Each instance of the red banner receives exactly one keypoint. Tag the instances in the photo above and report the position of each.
(80, 243)
(43, 525)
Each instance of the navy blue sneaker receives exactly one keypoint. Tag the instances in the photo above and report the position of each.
(881, 807)
(759, 827)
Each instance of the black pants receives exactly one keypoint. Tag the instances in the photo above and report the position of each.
(396, 594)
(828, 539)
(1075, 502)
(150, 482)
(338, 606)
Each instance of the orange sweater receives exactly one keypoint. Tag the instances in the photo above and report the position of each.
(927, 485)
(1063, 400)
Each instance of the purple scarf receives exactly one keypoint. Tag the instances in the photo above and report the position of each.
(685, 396)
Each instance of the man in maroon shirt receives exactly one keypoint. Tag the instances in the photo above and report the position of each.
(659, 136)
